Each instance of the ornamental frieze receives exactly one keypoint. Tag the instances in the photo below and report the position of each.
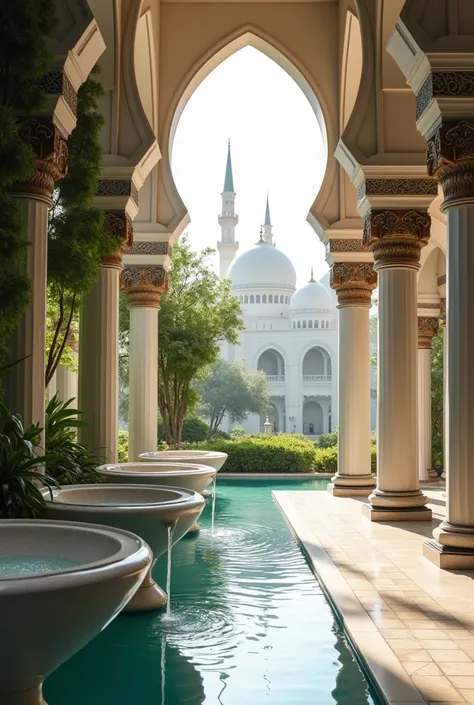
(397, 187)
(117, 187)
(427, 328)
(151, 248)
(50, 148)
(347, 245)
(458, 84)
(450, 159)
(57, 83)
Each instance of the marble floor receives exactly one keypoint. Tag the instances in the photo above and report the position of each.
(412, 622)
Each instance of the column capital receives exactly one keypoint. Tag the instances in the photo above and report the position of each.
(353, 283)
(427, 328)
(43, 136)
(396, 236)
(450, 160)
(144, 285)
(118, 224)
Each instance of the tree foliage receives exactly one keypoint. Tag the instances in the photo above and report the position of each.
(24, 59)
(77, 239)
(232, 390)
(437, 398)
(198, 312)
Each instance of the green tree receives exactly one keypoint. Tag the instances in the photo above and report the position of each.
(24, 60)
(437, 398)
(78, 241)
(231, 389)
(198, 312)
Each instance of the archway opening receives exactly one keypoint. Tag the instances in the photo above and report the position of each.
(272, 363)
(317, 365)
(313, 419)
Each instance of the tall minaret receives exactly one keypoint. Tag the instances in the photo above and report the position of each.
(228, 220)
(267, 226)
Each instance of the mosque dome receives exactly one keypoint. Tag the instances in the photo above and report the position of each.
(310, 297)
(262, 265)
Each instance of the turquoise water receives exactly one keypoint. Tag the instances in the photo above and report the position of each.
(19, 566)
(249, 625)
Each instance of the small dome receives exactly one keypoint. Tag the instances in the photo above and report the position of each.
(326, 282)
(312, 296)
(262, 265)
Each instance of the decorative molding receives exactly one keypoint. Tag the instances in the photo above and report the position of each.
(450, 160)
(353, 282)
(427, 306)
(427, 328)
(397, 187)
(457, 84)
(151, 248)
(117, 187)
(144, 285)
(347, 245)
(57, 83)
(396, 236)
(119, 225)
(50, 147)
(441, 280)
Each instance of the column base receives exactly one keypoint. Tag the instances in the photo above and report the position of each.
(448, 558)
(351, 485)
(433, 474)
(443, 475)
(396, 513)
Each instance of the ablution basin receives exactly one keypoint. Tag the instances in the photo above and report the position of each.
(201, 457)
(61, 583)
(156, 514)
(189, 476)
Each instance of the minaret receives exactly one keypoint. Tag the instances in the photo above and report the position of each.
(267, 226)
(228, 220)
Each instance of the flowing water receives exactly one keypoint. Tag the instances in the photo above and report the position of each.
(168, 570)
(250, 624)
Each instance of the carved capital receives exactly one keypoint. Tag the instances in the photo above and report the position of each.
(353, 282)
(450, 160)
(144, 285)
(427, 328)
(118, 224)
(396, 236)
(50, 148)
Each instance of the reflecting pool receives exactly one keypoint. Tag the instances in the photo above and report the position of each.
(249, 623)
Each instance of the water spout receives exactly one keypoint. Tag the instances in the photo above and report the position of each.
(168, 571)
(213, 500)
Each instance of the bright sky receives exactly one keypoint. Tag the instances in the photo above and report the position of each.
(276, 146)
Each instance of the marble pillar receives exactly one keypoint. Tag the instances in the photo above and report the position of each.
(427, 328)
(354, 283)
(24, 382)
(67, 384)
(443, 323)
(144, 286)
(396, 237)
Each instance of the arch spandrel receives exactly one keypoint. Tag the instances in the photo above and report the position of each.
(300, 38)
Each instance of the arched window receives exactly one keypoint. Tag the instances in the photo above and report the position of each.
(310, 324)
(246, 300)
(282, 298)
(299, 324)
(287, 299)
(258, 299)
(241, 299)
(304, 324)
(264, 299)
(251, 299)
(316, 324)
(270, 299)
(294, 324)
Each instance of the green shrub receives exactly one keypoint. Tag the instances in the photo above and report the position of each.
(237, 432)
(326, 459)
(373, 458)
(262, 453)
(122, 446)
(327, 440)
(195, 429)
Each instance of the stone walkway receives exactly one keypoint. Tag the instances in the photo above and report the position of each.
(412, 623)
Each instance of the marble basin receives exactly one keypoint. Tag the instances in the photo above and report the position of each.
(201, 457)
(146, 510)
(186, 475)
(61, 583)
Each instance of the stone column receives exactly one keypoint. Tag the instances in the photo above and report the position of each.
(354, 283)
(98, 349)
(427, 328)
(451, 161)
(396, 237)
(67, 380)
(23, 383)
(144, 286)
(443, 322)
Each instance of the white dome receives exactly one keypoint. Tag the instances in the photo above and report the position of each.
(326, 282)
(310, 297)
(262, 265)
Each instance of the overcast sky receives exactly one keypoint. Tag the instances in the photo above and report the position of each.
(276, 147)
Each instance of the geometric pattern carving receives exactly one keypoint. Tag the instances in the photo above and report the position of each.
(353, 282)
(441, 280)
(57, 83)
(117, 187)
(450, 159)
(144, 285)
(397, 187)
(151, 248)
(457, 84)
(50, 147)
(347, 245)
(427, 328)
(396, 234)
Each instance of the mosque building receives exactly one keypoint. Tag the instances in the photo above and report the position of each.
(290, 334)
